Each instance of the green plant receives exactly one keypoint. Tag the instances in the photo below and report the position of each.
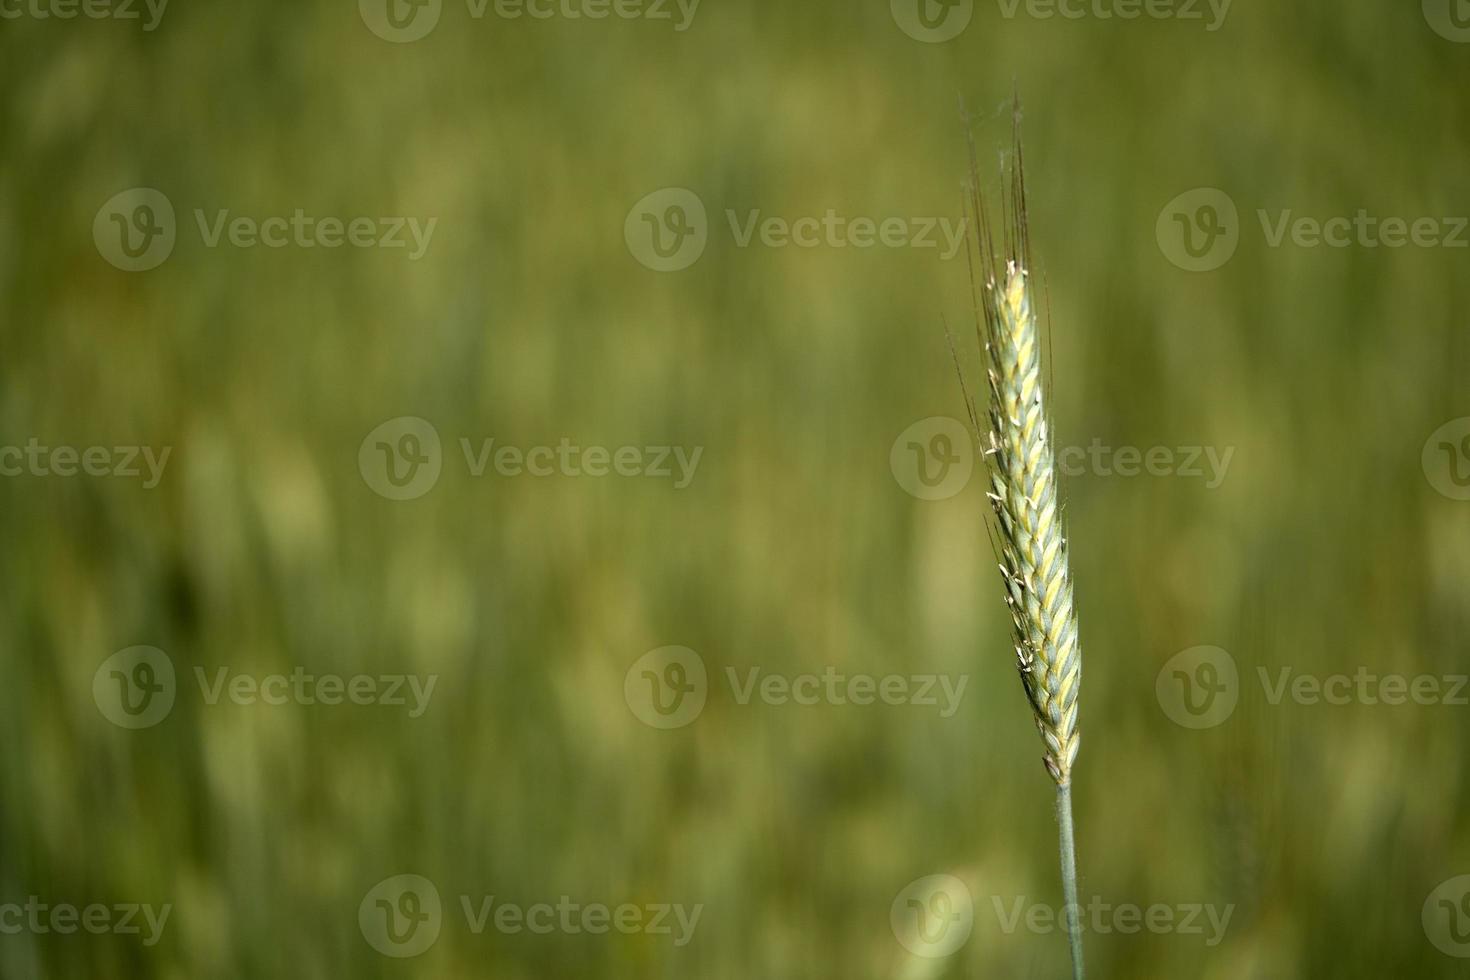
(1015, 439)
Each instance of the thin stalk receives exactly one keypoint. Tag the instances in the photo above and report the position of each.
(1069, 877)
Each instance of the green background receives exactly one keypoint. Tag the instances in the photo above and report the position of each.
(1326, 548)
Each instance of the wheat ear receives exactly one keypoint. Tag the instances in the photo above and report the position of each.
(1027, 533)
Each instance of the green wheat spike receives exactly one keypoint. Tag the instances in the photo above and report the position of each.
(1015, 439)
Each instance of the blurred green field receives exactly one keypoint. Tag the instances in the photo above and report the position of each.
(1329, 545)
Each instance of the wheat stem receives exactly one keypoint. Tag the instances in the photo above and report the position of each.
(1069, 877)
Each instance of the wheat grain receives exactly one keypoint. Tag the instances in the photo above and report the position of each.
(1027, 534)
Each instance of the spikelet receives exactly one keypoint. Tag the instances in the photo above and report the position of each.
(1015, 438)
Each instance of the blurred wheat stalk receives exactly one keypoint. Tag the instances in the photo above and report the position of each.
(1027, 533)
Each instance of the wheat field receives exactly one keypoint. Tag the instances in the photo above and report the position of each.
(497, 502)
